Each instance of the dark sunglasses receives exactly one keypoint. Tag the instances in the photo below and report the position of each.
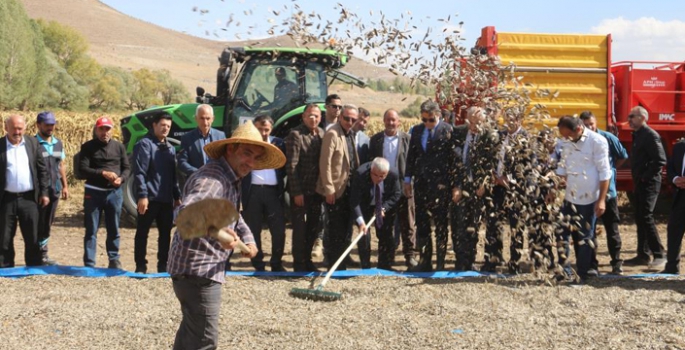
(428, 120)
(335, 106)
(631, 116)
(349, 119)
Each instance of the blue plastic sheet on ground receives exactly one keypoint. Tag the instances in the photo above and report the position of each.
(16, 272)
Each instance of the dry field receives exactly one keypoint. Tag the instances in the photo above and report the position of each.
(527, 312)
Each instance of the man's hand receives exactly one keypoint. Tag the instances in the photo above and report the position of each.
(362, 228)
(142, 206)
(679, 182)
(110, 176)
(456, 195)
(481, 191)
(408, 190)
(600, 207)
(330, 199)
(116, 182)
(252, 253)
(43, 201)
(501, 181)
(299, 200)
(177, 203)
(65, 193)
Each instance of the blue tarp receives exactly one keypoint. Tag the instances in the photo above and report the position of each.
(77, 271)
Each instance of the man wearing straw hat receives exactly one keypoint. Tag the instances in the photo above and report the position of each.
(196, 265)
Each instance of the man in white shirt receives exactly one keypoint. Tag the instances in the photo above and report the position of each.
(585, 165)
(25, 182)
(262, 198)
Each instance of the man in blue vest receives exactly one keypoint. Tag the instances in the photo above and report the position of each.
(53, 154)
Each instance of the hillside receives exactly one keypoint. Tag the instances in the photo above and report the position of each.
(120, 40)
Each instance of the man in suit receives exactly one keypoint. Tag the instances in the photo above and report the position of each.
(647, 157)
(360, 137)
(303, 148)
(676, 220)
(192, 156)
(474, 162)
(393, 145)
(375, 191)
(338, 160)
(25, 181)
(262, 197)
(509, 194)
(429, 164)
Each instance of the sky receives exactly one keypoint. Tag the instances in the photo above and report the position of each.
(641, 30)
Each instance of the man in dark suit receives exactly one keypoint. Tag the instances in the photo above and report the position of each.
(25, 181)
(375, 191)
(647, 157)
(393, 145)
(676, 220)
(429, 164)
(262, 197)
(303, 148)
(474, 163)
(361, 140)
(509, 194)
(191, 155)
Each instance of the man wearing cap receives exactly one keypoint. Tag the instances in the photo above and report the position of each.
(196, 265)
(53, 154)
(24, 180)
(105, 166)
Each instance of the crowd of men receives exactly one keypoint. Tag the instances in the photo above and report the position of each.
(437, 177)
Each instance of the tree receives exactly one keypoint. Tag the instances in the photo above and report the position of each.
(63, 91)
(65, 42)
(171, 90)
(20, 56)
(146, 89)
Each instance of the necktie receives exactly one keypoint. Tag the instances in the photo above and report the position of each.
(379, 206)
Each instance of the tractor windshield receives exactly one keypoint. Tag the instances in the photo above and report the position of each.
(269, 85)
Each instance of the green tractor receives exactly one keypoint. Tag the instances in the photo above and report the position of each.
(246, 87)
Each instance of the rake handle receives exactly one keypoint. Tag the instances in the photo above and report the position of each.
(344, 254)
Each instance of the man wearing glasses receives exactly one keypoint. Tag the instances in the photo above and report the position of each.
(338, 160)
(647, 157)
(429, 166)
(333, 110)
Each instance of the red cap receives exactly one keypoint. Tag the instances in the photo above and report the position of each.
(104, 121)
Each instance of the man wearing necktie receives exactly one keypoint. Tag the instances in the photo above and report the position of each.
(676, 220)
(474, 163)
(376, 191)
(429, 164)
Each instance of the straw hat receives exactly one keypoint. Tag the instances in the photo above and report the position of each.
(247, 133)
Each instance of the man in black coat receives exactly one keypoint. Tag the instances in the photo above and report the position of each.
(262, 197)
(429, 165)
(647, 157)
(25, 181)
(676, 220)
(393, 145)
(375, 191)
(475, 147)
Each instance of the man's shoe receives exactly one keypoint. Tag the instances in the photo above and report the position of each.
(260, 268)
(668, 272)
(350, 262)
(115, 264)
(278, 268)
(617, 269)
(141, 269)
(45, 261)
(591, 273)
(658, 264)
(636, 261)
(310, 267)
(411, 262)
(317, 249)
(421, 268)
